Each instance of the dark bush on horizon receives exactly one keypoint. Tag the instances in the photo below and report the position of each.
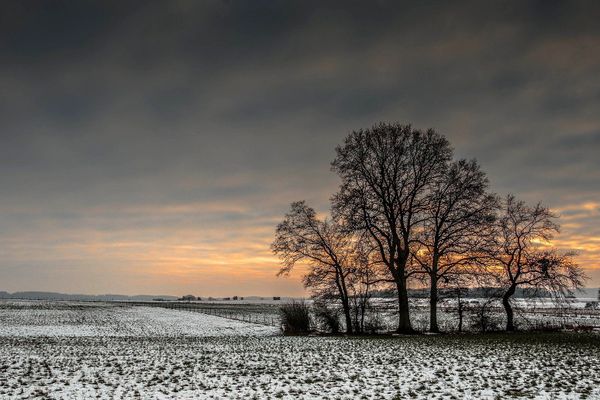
(295, 317)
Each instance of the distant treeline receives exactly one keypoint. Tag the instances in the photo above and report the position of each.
(80, 297)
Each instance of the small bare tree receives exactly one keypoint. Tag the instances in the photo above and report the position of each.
(366, 276)
(324, 246)
(456, 286)
(521, 256)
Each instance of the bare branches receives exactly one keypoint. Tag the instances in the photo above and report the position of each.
(329, 249)
(387, 172)
(407, 212)
(522, 257)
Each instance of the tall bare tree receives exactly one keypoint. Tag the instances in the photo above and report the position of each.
(456, 222)
(324, 246)
(522, 257)
(386, 174)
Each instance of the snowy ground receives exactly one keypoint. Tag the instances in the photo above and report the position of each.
(530, 314)
(84, 351)
(30, 318)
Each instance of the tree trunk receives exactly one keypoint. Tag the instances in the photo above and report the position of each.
(356, 315)
(343, 293)
(363, 310)
(460, 312)
(403, 310)
(433, 299)
(346, 306)
(510, 324)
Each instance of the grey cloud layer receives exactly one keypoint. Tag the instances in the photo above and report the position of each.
(143, 105)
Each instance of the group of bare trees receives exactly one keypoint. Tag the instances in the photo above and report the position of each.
(406, 212)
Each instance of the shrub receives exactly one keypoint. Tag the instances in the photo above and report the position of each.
(328, 318)
(373, 324)
(295, 317)
(483, 319)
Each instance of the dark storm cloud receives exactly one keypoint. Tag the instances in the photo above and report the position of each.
(150, 121)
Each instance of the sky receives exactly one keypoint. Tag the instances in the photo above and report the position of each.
(151, 147)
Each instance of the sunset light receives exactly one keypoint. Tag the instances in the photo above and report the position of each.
(301, 200)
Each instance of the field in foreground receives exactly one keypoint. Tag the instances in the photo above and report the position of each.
(214, 362)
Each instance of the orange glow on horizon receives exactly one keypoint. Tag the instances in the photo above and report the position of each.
(213, 259)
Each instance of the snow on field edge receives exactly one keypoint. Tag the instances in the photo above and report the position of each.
(122, 321)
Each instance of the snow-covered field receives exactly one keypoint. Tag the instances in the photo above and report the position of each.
(30, 318)
(84, 351)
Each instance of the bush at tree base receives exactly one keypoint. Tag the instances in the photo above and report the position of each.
(295, 317)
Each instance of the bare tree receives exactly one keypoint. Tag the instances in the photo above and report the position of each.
(521, 256)
(386, 174)
(324, 246)
(456, 286)
(365, 277)
(456, 222)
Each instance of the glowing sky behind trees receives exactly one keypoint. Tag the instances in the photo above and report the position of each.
(152, 147)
